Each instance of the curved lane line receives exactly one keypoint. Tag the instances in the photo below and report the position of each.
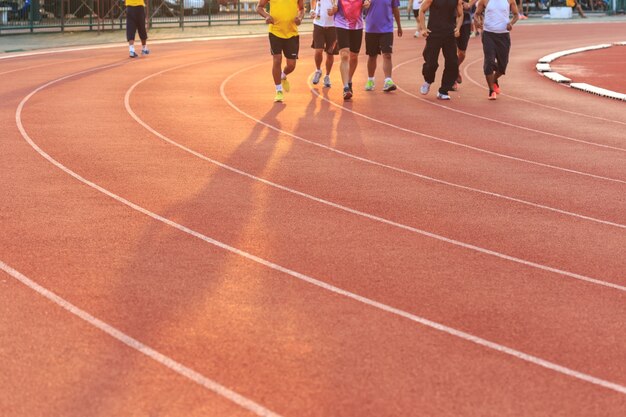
(164, 360)
(400, 170)
(383, 307)
(348, 209)
(474, 148)
(489, 119)
(535, 103)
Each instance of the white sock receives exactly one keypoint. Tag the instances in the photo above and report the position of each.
(388, 79)
(283, 76)
(279, 87)
(318, 70)
(131, 48)
(370, 78)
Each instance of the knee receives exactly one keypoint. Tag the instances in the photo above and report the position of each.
(344, 54)
(290, 66)
(461, 54)
(387, 55)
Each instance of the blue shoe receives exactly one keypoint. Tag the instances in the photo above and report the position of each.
(145, 51)
(133, 54)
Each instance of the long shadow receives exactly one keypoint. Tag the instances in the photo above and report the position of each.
(171, 276)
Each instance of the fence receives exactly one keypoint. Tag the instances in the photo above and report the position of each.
(18, 16)
(53, 15)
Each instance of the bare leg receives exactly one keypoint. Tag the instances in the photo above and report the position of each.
(387, 65)
(330, 59)
(319, 54)
(371, 65)
(344, 67)
(277, 61)
(290, 66)
(354, 61)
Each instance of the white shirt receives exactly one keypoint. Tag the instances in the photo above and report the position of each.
(417, 4)
(321, 13)
(497, 16)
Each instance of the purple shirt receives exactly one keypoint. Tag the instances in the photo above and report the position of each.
(379, 17)
(349, 14)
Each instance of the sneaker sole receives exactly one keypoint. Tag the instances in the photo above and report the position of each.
(392, 88)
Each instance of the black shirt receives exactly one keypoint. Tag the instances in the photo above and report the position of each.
(442, 17)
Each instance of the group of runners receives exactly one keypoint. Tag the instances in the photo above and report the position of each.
(338, 30)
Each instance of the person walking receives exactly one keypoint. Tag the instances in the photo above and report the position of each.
(413, 6)
(324, 37)
(464, 36)
(493, 17)
(284, 18)
(379, 39)
(444, 25)
(349, 26)
(136, 22)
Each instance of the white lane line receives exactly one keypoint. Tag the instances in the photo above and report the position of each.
(399, 170)
(513, 125)
(474, 148)
(383, 307)
(140, 347)
(339, 206)
(535, 103)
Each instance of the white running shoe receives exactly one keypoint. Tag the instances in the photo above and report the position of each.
(443, 96)
(317, 76)
(327, 81)
(425, 88)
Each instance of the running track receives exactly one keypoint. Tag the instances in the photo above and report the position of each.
(202, 251)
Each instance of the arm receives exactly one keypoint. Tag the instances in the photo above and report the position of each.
(478, 15)
(459, 18)
(422, 21)
(312, 11)
(515, 12)
(260, 9)
(333, 11)
(396, 15)
(300, 15)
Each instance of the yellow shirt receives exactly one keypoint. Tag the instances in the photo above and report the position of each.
(135, 3)
(284, 13)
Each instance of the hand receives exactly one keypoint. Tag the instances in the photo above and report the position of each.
(466, 6)
(298, 20)
(457, 32)
(424, 33)
(509, 27)
(313, 14)
(366, 4)
(399, 32)
(332, 11)
(269, 20)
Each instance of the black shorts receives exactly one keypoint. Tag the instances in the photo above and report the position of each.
(377, 43)
(463, 39)
(416, 12)
(325, 38)
(288, 47)
(350, 38)
(136, 22)
(496, 47)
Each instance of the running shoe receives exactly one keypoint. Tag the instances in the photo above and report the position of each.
(350, 87)
(317, 76)
(389, 86)
(496, 87)
(459, 79)
(278, 98)
(133, 54)
(347, 94)
(285, 84)
(327, 81)
(425, 88)
(441, 96)
(145, 51)
(417, 34)
(492, 95)
(369, 85)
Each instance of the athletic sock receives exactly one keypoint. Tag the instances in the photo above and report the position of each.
(131, 48)
(370, 78)
(388, 79)
(283, 76)
(279, 87)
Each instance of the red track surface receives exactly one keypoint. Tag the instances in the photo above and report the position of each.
(591, 67)
(538, 178)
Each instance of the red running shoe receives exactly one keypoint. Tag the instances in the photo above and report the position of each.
(492, 95)
(496, 88)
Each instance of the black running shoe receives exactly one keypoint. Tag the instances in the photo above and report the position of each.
(347, 94)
